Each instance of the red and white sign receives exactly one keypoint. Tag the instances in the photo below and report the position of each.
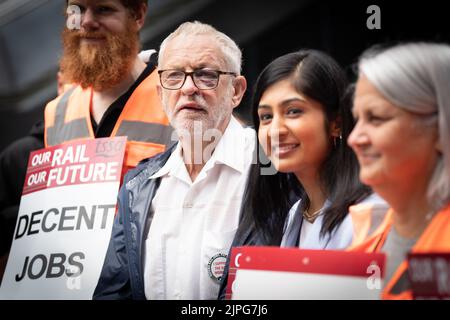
(65, 220)
(429, 275)
(292, 274)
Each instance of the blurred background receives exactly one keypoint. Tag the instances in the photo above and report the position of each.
(264, 29)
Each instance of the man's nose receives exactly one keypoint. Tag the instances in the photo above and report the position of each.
(189, 87)
(89, 20)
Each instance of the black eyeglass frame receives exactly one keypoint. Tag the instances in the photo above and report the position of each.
(191, 74)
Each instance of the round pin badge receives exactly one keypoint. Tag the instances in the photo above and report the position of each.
(216, 266)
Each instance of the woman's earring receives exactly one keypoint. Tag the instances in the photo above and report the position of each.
(339, 142)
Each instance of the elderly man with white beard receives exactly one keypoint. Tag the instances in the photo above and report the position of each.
(178, 212)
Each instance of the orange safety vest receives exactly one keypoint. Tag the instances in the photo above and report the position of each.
(435, 238)
(143, 121)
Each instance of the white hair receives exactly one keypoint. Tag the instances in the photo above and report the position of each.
(231, 52)
(416, 77)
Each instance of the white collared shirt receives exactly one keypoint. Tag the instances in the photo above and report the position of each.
(194, 222)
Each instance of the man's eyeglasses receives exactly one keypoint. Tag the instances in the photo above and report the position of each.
(203, 79)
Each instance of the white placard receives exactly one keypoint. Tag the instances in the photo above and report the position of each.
(65, 220)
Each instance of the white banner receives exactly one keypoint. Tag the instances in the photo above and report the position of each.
(271, 273)
(65, 220)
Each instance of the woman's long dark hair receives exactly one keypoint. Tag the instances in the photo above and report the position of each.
(268, 198)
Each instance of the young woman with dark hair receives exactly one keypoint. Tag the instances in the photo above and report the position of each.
(302, 113)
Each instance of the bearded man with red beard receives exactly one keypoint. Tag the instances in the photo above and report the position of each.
(113, 94)
(115, 91)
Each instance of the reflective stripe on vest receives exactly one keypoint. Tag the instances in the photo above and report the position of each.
(74, 129)
(146, 132)
(78, 128)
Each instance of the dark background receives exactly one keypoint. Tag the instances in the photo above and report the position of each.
(264, 29)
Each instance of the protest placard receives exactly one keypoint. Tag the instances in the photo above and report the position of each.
(273, 273)
(65, 220)
(429, 275)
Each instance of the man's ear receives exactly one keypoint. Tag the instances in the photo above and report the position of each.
(239, 87)
(159, 90)
(140, 15)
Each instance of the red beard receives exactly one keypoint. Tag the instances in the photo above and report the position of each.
(99, 65)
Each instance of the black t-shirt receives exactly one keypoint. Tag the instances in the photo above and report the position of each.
(13, 166)
(14, 161)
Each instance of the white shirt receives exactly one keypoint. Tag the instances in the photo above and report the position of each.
(304, 232)
(194, 222)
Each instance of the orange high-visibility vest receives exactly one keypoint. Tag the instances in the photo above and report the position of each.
(143, 121)
(435, 238)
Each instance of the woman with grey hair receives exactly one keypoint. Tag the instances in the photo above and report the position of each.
(401, 139)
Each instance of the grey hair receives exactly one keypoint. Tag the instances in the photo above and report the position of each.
(416, 78)
(230, 50)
